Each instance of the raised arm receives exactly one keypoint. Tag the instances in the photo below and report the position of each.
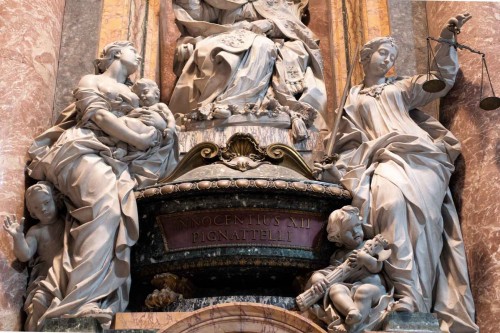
(444, 67)
(24, 248)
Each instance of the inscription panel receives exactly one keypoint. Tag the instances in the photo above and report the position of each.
(230, 227)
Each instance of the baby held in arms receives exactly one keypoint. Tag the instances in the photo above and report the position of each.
(151, 113)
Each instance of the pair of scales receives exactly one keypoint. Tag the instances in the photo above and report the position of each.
(434, 85)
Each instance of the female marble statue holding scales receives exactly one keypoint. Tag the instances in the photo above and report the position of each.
(92, 276)
(397, 163)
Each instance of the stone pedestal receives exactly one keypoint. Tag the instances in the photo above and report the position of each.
(239, 220)
(411, 322)
(72, 325)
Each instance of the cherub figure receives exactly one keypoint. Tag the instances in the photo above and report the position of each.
(42, 242)
(149, 100)
(349, 302)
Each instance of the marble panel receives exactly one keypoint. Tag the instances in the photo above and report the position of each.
(320, 22)
(477, 179)
(354, 23)
(411, 37)
(339, 56)
(79, 48)
(243, 317)
(377, 17)
(29, 47)
(168, 41)
(147, 320)
(137, 22)
(72, 325)
(405, 321)
(192, 304)
(152, 40)
(114, 22)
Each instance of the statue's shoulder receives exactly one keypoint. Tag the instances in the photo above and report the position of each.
(89, 81)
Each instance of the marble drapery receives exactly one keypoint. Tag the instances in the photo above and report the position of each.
(92, 276)
(233, 66)
(397, 164)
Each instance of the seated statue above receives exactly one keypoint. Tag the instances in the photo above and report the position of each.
(249, 62)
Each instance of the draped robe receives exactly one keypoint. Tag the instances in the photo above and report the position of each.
(397, 163)
(93, 271)
(231, 66)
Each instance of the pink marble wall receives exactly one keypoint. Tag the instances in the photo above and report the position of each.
(29, 47)
(168, 41)
(477, 179)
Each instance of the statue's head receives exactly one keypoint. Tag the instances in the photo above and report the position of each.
(345, 227)
(147, 90)
(385, 51)
(117, 50)
(42, 201)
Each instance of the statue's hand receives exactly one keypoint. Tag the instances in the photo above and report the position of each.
(152, 118)
(148, 139)
(13, 228)
(363, 258)
(326, 172)
(168, 135)
(353, 259)
(454, 25)
(320, 287)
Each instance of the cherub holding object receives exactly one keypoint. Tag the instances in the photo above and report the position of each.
(149, 100)
(44, 238)
(350, 301)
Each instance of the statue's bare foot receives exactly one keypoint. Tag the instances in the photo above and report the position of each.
(403, 305)
(337, 329)
(353, 317)
(94, 311)
(221, 112)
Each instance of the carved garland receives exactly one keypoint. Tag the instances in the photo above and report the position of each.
(204, 185)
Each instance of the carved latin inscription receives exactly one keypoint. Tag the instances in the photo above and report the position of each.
(240, 227)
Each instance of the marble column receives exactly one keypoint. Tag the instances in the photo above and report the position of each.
(169, 33)
(476, 182)
(410, 35)
(29, 46)
(354, 22)
(135, 21)
(79, 48)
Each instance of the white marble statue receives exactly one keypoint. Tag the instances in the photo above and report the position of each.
(397, 162)
(92, 276)
(42, 242)
(253, 58)
(360, 300)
